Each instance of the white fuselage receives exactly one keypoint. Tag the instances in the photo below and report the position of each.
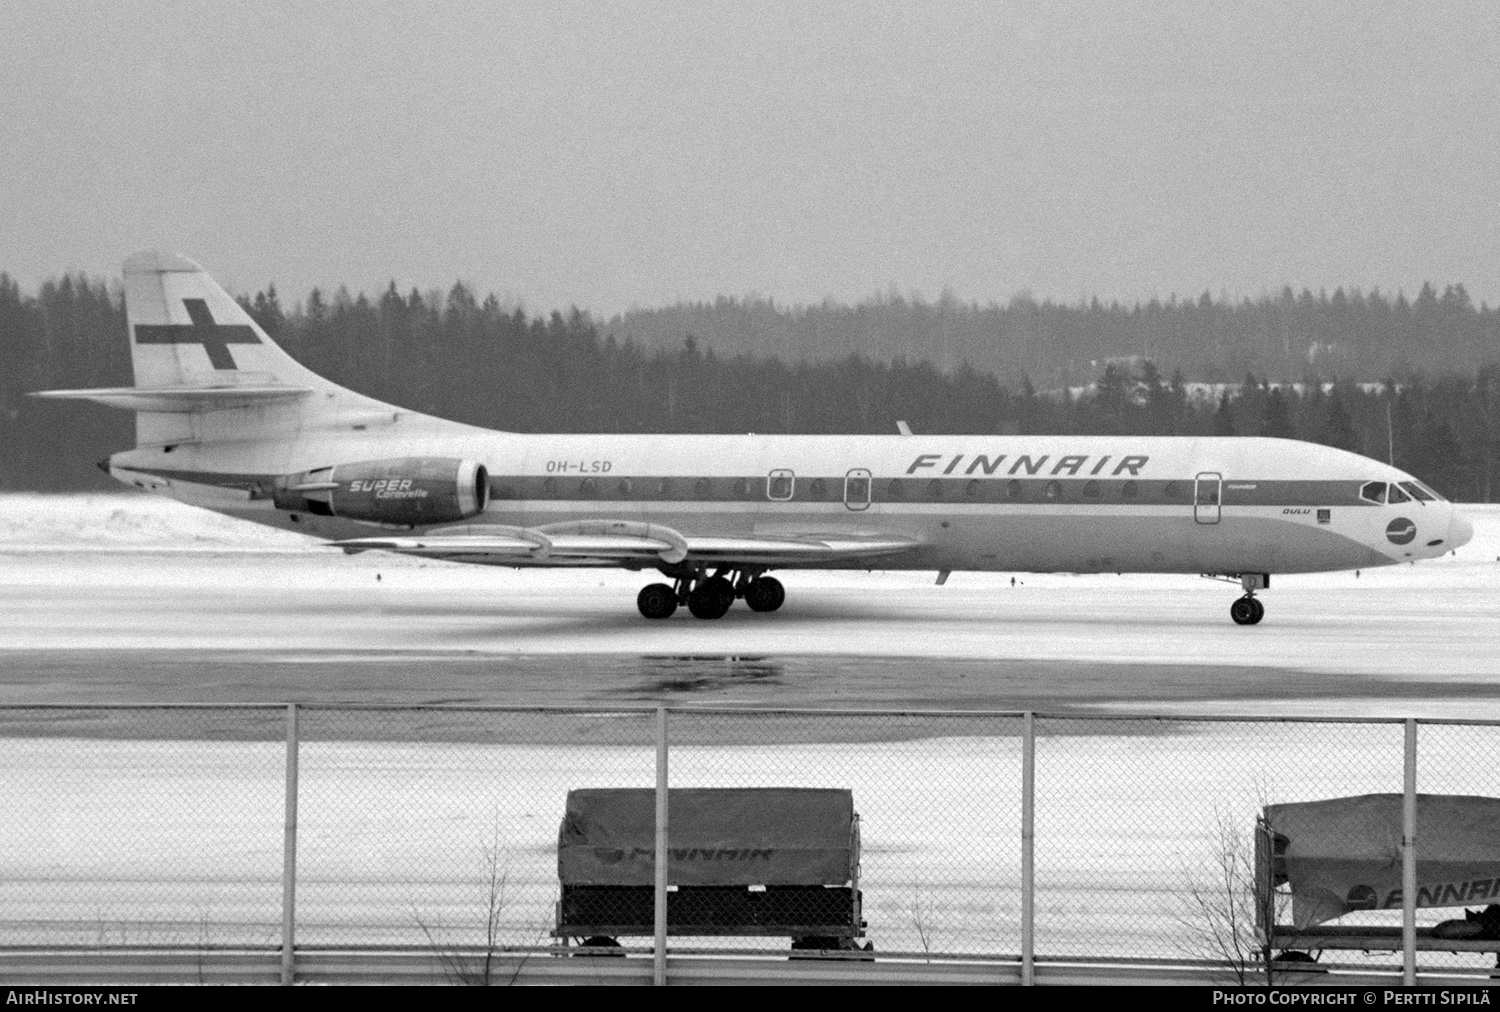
(1009, 503)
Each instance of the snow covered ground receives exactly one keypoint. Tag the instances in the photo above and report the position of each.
(127, 520)
(175, 842)
(178, 841)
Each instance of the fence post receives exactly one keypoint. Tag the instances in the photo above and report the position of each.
(1409, 860)
(659, 970)
(289, 855)
(1028, 839)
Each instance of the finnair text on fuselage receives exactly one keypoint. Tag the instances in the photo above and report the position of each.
(1070, 464)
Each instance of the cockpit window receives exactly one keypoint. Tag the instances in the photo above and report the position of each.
(1373, 491)
(1418, 492)
(1396, 495)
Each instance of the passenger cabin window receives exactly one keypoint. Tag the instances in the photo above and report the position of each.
(1129, 490)
(549, 487)
(895, 488)
(1373, 491)
(741, 487)
(1172, 491)
(623, 487)
(1054, 489)
(664, 487)
(1091, 490)
(703, 488)
(779, 486)
(818, 488)
(586, 487)
(857, 490)
(1015, 490)
(972, 488)
(935, 489)
(1395, 495)
(1416, 491)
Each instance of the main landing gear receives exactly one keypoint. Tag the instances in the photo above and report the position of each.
(656, 600)
(710, 596)
(1248, 610)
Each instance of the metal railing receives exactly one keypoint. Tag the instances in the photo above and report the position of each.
(989, 836)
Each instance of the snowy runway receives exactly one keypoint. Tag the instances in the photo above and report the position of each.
(130, 598)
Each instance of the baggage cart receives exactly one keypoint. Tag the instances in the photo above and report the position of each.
(756, 861)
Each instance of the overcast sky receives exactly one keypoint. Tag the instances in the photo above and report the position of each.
(636, 154)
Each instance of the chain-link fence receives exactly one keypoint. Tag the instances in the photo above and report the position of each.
(438, 828)
(938, 799)
(157, 826)
(1145, 828)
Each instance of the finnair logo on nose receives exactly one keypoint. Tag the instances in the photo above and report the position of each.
(1400, 531)
(215, 337)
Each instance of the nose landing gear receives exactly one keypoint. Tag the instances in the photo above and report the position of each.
(1248, 610)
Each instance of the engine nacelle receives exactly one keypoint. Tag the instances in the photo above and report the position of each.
(404, 491)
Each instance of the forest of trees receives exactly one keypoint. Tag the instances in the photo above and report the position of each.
(475, 360)
(1352, 335)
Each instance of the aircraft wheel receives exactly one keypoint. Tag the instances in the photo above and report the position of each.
(1260, 611)
(656, 600)
(711, 598)
(765, 594)
(1246, 611)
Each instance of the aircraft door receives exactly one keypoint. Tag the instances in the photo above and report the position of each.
(857, 489)
(1207, 490)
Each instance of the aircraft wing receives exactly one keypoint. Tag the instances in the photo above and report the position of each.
(785, 550)
(605, 542)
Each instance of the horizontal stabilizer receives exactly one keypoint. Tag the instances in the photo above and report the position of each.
(625, 541)
(179, 399)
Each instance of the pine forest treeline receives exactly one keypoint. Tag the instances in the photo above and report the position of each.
(478, 361)
(1351, 334)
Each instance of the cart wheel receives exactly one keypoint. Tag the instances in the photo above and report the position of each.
(603, 946)
(1297, 961)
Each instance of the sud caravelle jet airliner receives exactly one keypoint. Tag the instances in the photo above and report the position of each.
(228, 421)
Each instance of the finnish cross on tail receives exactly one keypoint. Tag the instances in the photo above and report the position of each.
(215, 337)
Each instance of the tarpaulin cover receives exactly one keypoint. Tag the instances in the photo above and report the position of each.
(1345, 853)
(716, 836)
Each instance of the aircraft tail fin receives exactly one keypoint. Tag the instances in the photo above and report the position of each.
(205, 372)
(187, 332)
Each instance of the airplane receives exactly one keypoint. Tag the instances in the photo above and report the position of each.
(228, 421)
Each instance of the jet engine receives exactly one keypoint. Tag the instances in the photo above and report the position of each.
(404, 491)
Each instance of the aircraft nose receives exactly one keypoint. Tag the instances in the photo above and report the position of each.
(1460, 530)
